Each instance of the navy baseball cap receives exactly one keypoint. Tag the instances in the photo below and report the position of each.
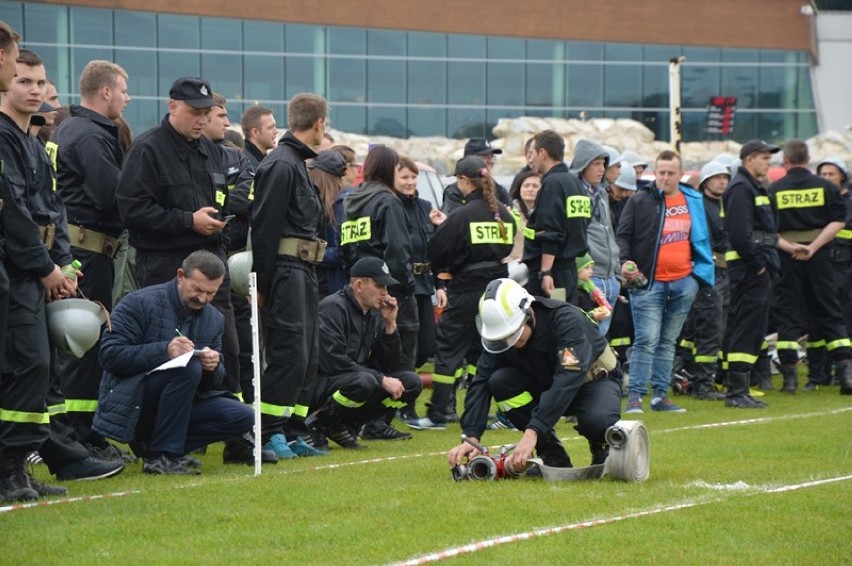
(194, 91)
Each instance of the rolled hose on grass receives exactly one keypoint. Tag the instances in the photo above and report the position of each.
(629, 451)
(629, 457)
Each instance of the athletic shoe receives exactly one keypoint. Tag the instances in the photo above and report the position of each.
(634, 404)
(383, 431)
(166, 466)
(89, 468)
(425, 423)
(502, 422)
(34, 458)
(278, 445)
(665, 405)
(303, 449)
(44, 489)
(240, 450)
(340, 434)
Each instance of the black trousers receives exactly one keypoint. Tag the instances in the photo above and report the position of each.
(290, 342)
(177, 419)
(154, 269)
(62, 444)
(704, 329)
(361, 397)
(456, 337)
(408, 323)
(597, 404)
(26, 372)
(564, 272)
(426, 334)
(79, 378)
(751, 299)
(242, 323)
(813, 284)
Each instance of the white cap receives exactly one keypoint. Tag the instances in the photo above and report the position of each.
(633, 158)
(711, 169)
(614, 157)
(836, 161)
(626, 179)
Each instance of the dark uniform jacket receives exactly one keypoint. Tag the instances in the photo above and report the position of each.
(143, 324)
(164, 180)
(421, 229)
(286, 205)
(354, 341)
(469, 236)
(375, 226)
(32, 202)
(239, 175)
(559, 352)
(716, 223)
(558, 223)
(88, 166)
(253, 154)
(749, 215)
(453, 197)
(805, 201)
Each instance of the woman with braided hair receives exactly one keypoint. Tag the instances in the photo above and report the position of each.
(466, 253)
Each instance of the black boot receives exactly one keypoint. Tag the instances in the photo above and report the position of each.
(844, 376)
(329, 419)
(703, 386)
(442, 397)
(549, 448)
(738, 392)
(14, 480)
(761, 373)
(599, 452)
(791, 378)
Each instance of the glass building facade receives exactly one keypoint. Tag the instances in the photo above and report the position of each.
(405, 83)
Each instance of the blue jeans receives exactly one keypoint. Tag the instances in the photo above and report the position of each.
(658, 316)
(610, 286)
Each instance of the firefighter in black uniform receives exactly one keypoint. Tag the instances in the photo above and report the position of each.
(753, 263)
(285, 246)
(36, 236)
(173, 199)
(469, 246)
(704, 329)
(360, 370)
(543, 359)
(555, 234)
(88, 166)
(239, 175)
(834, 169)
(810, 212)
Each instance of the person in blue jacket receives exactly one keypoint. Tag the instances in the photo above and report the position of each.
(165, 413)
(665, 250)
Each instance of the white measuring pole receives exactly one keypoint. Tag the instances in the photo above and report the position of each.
(255, 358)
(675, 116)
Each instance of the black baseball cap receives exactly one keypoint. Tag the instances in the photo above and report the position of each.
(480, 146)
(472, 167)
(757, 146)
(375, 269)
(194, 91)
(329, 161)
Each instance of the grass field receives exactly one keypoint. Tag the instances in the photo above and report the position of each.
(769, 486)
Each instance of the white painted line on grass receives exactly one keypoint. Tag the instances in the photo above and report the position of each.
(47, 502)
(492, 542)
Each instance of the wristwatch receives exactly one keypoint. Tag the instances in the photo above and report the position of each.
(546, 273)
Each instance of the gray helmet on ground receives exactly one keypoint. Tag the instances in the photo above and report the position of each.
(74, 325)
(239, 265)
(711, 169)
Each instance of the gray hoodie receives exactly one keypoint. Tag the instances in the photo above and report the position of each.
(600, 235)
